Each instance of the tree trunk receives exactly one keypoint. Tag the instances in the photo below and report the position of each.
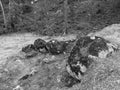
(3, 13)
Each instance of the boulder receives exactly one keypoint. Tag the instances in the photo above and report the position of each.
(56, 47)
(110, 33)
(29, 50)
(101, 48)
(40, 45)
(85, 49)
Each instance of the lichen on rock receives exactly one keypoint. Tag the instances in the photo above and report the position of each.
(83, 53)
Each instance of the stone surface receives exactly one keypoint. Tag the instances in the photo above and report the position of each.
(56, 47)
(67, 80)
(29, 51)
(28, 48)
(110, 33)
(85, 50)
(39, 43)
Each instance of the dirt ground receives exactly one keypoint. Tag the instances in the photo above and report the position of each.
(44, 71)
(15, 65)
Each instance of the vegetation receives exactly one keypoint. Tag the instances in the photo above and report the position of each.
(55, 17)
(3, 13)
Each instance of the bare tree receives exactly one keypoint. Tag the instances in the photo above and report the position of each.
(3, 13)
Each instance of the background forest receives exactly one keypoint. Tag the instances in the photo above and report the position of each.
(57, 17)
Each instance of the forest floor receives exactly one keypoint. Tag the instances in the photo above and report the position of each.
(46, 70)
(15, 63)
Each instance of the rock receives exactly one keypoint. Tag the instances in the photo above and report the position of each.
(31, 54)
(53, 46)
(56, 47)
(28, 48)
(110, 33)
(24, 77)
(18, 87)
(79, 67)
(97, 45)
(40, 45)
(82, 54)
(26, 9)
(67, 80)
(101, 48)
(80, 49)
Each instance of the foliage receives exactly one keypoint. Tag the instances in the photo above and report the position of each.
(56, 17)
